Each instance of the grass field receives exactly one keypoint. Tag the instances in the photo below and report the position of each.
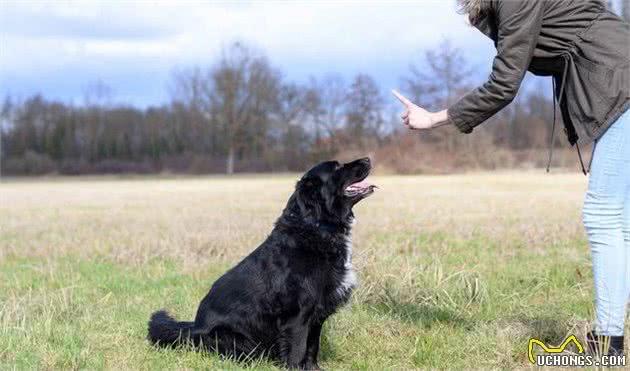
(455, 272)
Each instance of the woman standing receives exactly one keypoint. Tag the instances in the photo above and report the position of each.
(585, 48)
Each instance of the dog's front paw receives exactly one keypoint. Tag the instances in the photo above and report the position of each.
(311, 366)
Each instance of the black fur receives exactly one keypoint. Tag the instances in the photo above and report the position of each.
(275, 301)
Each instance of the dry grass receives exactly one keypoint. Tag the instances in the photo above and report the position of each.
(443, 261)
(216, 217)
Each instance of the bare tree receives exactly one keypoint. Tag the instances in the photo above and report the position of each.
(191, 91)
(364, 109)
(244, 92)
(437, 81)
(291, 112)
(97, 93)
(6, 113)
(325, 102)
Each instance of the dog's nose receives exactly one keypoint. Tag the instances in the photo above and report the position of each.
(366, 160)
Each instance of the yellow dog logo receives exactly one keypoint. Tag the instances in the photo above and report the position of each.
(546, 349)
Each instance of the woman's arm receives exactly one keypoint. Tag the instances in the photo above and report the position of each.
(519, 24)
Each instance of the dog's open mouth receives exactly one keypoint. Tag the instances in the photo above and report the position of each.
(359, 188)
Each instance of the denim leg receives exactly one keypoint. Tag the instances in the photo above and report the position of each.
(626, 211)
(605, 219)
(626, 230)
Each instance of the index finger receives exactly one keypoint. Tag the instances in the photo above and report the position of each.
(402, 98)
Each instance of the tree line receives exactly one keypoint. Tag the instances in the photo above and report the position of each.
(241, 115)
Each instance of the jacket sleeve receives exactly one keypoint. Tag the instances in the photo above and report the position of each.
(519, 24)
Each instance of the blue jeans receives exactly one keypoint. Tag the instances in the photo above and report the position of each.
(606, 217)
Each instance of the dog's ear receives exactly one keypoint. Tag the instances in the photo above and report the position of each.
(329, 198)
(307, 197)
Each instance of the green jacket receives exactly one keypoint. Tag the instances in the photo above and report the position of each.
(580, 43)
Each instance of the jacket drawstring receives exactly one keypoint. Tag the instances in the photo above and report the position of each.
(553, 126)
(584, 171)
(556, 103)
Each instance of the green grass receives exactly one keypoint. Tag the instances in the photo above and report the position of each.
(451, 276)
(76, 314)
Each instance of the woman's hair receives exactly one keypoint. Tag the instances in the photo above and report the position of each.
(471, 7)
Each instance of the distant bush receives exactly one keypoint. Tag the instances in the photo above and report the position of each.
(32, 163)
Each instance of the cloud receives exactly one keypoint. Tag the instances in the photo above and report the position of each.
(133, 46)
(83, 20)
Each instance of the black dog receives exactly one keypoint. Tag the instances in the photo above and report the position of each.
(275, 301)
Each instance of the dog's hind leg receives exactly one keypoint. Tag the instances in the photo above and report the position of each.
(230, 343)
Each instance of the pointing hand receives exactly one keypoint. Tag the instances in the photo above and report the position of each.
(417, 118)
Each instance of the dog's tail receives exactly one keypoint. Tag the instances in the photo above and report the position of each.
(164, 330)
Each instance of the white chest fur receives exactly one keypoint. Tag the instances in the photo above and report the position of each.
(349, 280)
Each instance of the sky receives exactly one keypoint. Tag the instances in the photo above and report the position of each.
(59, 48)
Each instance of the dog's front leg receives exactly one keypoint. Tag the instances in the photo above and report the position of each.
(312, 347)
(294, 341)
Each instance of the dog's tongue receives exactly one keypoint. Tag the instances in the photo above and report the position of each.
(360, 185)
